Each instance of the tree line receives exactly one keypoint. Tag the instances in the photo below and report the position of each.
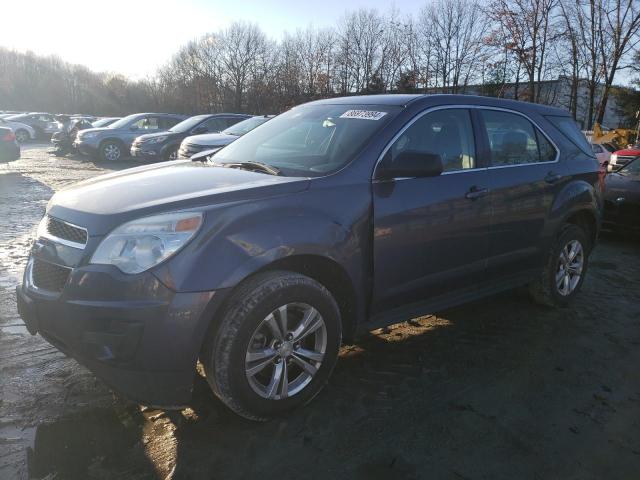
(496, 47)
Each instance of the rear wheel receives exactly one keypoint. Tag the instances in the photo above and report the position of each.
(110, 151)
(275, 345)
(565, 269)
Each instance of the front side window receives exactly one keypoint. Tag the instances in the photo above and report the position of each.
(147, 123)
(310, 140)
(513, 140)
(447, 133)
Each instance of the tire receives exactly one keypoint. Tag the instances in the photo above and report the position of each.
(171, 154)
(546, 290)
(243, 326)
(22, 136)
(111, 151)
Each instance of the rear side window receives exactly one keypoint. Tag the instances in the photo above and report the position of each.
(229, 121)
(514, 140)
(216, 124)
(569, 128)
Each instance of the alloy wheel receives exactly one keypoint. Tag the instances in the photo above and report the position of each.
(111, 152)
(285, 351)
(22, 136)
(570, 266)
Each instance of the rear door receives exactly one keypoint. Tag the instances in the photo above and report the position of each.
(524, 175)
(431, 234)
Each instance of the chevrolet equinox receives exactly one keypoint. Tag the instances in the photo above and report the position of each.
(338, 216)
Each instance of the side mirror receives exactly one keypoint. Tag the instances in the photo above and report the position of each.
(133, 128)
(412, 163)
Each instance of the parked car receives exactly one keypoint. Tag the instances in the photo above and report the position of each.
(622, 198)
(9, 147)
(164, 145)
(112, 143)
(40, 122)
(104, 122)
(336, 217)
(215, 141)
(620, 158)
(23, 131)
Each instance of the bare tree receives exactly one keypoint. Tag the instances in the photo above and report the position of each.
(619, 36)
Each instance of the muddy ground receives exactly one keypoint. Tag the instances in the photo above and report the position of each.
(500, 388)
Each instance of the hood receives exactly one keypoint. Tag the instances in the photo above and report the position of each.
(99, 130)
(104, 202)
(211, 139)
(148, 136)
(629, 152)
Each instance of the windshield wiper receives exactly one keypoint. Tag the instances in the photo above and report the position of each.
(259, 166)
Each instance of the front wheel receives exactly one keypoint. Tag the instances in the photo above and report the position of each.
(274, 346)
(22, 136)
(565, 269)
(171, 154)
(110, 151)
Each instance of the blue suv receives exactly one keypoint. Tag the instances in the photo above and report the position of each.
(336, 217)
(113, 143)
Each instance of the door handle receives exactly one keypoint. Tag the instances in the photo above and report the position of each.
(552, 177)
(476, 192)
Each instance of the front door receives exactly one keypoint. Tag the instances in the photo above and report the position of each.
(430, 234)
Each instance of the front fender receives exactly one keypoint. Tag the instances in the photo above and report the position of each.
(239, 240)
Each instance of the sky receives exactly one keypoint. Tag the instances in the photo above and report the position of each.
(135, 37)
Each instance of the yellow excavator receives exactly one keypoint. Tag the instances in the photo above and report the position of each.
(620, 137)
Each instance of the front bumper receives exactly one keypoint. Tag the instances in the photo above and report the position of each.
(146, 154)
(86, 148)
(136, 334)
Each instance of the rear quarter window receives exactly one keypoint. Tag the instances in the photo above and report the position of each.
(569, 129)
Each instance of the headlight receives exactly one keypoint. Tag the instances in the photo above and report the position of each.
(155, 140)
(138, 245)
(88, 135)
(614, 159)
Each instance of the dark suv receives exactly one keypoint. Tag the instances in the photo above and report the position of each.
(164, 145)
(338, 216)
(113, 143)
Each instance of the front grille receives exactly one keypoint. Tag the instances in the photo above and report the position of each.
(49, 276)
(65, 231)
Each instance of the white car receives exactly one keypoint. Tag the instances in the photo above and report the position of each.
(22, 131)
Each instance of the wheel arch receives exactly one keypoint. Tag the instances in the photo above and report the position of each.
(329, 274)
(587, 220)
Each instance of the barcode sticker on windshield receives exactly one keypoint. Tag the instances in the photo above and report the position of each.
(363, 114)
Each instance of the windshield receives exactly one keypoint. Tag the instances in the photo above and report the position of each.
(105, 122)
(123, 122)
(311, 140)
(188, 124)
(245, 126)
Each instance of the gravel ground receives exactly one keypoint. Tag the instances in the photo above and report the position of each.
(500, 388)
